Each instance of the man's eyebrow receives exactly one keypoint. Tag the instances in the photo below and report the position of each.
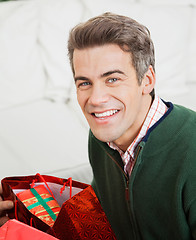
(81, 78)
(111, 72)
(101, 76)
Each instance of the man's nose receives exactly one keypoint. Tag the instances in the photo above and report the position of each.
(98, 95)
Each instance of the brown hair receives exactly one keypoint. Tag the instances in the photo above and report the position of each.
(108, 28)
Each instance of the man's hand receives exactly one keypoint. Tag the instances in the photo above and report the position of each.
(4, 206)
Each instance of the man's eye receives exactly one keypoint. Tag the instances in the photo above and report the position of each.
(83, 84)
(111, 80)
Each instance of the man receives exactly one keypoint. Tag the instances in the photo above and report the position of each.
(141, 149)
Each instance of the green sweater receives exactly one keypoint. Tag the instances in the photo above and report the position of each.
(158, 201)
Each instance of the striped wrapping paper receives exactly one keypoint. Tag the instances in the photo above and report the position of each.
(41, 203)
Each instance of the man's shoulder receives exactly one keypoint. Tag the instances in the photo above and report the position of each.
(181, 108)
(181, 123)
(177, 125)
(183, 114)
(188, 122)
(179, 113)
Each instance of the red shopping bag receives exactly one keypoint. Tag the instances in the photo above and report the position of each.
(15, 230)
(81, 215)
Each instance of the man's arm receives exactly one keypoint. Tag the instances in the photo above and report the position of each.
(4, 206)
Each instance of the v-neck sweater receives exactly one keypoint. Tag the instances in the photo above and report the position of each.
(158, 201)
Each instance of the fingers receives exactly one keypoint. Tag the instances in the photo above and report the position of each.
(4, 207)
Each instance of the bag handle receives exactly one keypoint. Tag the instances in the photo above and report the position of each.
(32, 223)
(15, 209)
(42, 178)
(67, 183)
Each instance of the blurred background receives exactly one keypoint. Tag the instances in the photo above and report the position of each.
(41, 126)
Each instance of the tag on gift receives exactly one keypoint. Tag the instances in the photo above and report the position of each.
(40, 203)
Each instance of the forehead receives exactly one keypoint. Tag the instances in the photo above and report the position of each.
(100, 59)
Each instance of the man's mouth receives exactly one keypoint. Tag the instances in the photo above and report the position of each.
(105, 114)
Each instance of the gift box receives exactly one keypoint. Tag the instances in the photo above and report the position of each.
(40, 203)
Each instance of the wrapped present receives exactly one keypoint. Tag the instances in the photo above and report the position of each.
(40, 203)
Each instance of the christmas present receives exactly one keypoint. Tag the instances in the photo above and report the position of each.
(40, 203)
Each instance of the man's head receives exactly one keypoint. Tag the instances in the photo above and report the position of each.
(112, 58)
(110, 28)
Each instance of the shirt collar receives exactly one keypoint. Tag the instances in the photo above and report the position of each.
(157, 110)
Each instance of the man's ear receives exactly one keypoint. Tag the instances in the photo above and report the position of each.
(148, 81)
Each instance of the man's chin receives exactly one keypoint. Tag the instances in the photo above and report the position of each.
(104, 137)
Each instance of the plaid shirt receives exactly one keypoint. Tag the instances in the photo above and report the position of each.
(157, 110)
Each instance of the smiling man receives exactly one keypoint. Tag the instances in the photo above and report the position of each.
(142, 150)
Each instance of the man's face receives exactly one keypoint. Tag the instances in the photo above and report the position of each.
(109, 94)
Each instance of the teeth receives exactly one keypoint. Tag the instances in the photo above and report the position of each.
(106, 114)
